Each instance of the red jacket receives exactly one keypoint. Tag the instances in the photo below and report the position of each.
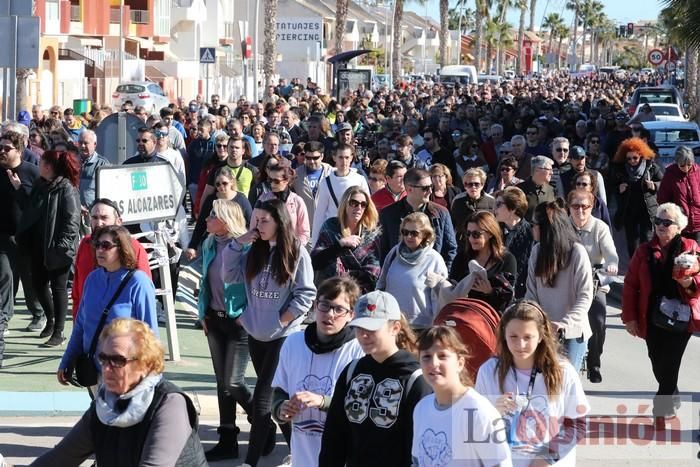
(85, 263)
(637, 289)
(383, 198)
(683, 190)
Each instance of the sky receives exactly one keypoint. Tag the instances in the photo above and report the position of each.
(617, 10)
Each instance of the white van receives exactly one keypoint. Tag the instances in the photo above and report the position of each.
(458, 74)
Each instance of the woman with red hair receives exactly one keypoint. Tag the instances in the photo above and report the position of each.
(635, 180)
(48, 235)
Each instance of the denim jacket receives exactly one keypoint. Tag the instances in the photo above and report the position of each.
(234, 294)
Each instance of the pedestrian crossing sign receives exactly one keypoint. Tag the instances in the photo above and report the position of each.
(207, 55)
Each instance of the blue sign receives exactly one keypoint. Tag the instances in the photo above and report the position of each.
(207, 55)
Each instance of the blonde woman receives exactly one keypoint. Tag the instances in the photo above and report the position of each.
(349, 243)
(220, 305)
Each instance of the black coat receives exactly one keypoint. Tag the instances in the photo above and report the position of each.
(638, 199)
(50, 222)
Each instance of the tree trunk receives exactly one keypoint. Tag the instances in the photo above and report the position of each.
(396, 42)
(573, 50)
(22, 98)
(270, 44)
(533, 5)
(500, 49)
(561, 39)
(444, 31)
(583, 44)
(479, 33)
(521, 39)
(691, 84)
(341, 17)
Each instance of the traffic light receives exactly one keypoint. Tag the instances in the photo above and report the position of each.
(630, 29)
(623, 31)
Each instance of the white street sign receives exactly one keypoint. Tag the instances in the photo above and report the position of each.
(143, 192)
(655, 56)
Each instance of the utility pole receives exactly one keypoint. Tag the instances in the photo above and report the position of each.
(255, 50)
(459, 35)
(121, 40)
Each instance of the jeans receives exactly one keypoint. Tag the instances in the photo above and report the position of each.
(596, 318)
(21, 270)
(6, 298)
(228, 345)
(54, 301)
(665, 350)
(265, 356)
(575, 350)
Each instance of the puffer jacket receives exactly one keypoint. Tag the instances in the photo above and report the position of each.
(51, 221)
(684, 190)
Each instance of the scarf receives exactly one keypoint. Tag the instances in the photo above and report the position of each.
(329, 343)
(412, 257)
(129, 408)
(636, 173)
(282, 195)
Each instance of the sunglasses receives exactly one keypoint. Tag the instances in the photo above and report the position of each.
(103, 245)
(218, 184)
(576, 207)
(473, 184)
(664, 222)
(632, 158)
(312, 158)
(410, 233)
(376, 179)
(6, 148)
(143, 140)
(277, 181)
(595, 141)
(221, 146)
(506, 169)
(357, 204)
(425, 188)
(475, 234)
(531, 133)
(561, 149)
(114, 361)
(161, 134)
(327, 307)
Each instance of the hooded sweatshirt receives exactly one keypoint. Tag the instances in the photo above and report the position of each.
(370, 421)
(268, 300)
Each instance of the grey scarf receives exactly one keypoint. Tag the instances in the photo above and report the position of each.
(128, 409)
(636, 173)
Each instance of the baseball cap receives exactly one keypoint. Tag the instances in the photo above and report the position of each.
(343, 127)
(621, 116)
(577, 152)
(374, 309)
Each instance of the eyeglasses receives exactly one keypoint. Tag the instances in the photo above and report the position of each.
(664, 222)
(410, 233)
(327, 307)
(104, 245)
(218, 184)
(473, 184)
(114, 361)
(357, 204)
(425, 188)
(277, 181)
(221, 146)
(475, 234)
(561, 149)
(312, 158)
(576, 207)
(6, 148)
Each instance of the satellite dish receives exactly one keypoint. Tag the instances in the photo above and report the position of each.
(110, 145)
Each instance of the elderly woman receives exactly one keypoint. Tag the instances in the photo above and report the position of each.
(138, 417)
(681, 185)
(655, 288)
(511, 206)
(473, 199)
(560, 279)
(596, 238)
(444, 192)
(587, 181)
(116, 263)
(635, 181)
(406, 269)
(349, 244)
(505, 175)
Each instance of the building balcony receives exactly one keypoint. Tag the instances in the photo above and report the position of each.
(140, 16)
(75, 14)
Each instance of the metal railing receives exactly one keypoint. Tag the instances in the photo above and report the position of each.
(139, 16)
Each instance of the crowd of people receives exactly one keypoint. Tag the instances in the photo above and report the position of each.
(331, 233)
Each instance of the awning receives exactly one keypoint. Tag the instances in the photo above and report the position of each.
(154, 74)
(90, 42)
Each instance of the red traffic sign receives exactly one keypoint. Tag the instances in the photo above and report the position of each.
(656, 56)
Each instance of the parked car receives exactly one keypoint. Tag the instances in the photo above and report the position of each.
(149, 95)
(667, 136)
(655, 95)
(665, 112)
(489, 79)
(458, 74)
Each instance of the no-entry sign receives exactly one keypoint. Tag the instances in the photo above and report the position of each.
(143, 192)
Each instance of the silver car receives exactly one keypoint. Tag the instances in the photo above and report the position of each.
(149, 95)
(667, 136)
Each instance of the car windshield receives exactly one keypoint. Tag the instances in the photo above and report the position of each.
(673, 136)
(455, 79)
(666, 110)
(657, 97)
(130, 88)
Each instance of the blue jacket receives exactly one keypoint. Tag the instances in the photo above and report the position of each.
(199, 151)
(137, 300)
(234, 293)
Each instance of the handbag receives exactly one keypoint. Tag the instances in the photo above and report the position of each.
(82, 371)
(672, 315)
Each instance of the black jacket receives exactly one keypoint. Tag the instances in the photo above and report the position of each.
(638, 199)
(51, 221)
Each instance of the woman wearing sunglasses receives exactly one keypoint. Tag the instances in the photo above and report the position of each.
(115, 259)
(309, 366)
(587, 181)
(635, 181)
(484, 244)
(349, 243)
(406, 269)
(138, 417)
(215, 160)
(655, 288)
(595, 236)
(527, 381)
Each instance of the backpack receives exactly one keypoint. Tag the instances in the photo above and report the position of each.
(476, 322)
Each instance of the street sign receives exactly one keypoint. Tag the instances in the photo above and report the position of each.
(655, 56)
(207, 55)
(143, 192)
(670, 66)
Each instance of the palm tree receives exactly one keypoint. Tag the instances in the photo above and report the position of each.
(589, 11)
(396, 41)
(502, 11)
(551, 22)
(491, 38)
(482, 12)
(533, 5)
(444, 32)
(521, 36)
(467, 23)
(573, 5)
(561, 32)
(341, 17)
(687, 25)
(270, 44)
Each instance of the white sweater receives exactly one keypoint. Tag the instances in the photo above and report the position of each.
(326, 207)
